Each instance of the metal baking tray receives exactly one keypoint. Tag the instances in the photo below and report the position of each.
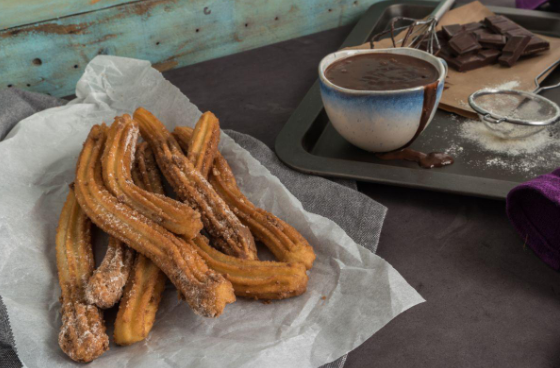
(309, 143)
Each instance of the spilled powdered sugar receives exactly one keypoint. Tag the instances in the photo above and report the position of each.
(533, 155)
(508, 85)
(509, 157)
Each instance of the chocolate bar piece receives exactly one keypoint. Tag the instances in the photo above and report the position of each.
(466, 62)
(452, 30)
(497, 39)
(472, 60)
(490, 55)
(536, 44)
(500, 24)
(441, 40)
(513, 50)
(492, 40)
(471, 27)
(463, 43)
(505, 26)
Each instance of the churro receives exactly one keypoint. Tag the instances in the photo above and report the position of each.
(285, 242)
(204, 144)
(206, 291)
(82, 335)
(144, 289)
(118, 156)
(253, 278)
(235, 238)
(105, 286)
(250, 278)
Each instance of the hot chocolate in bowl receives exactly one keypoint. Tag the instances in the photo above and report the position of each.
(382, 100)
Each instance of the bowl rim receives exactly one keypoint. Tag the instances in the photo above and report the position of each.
(401, 50)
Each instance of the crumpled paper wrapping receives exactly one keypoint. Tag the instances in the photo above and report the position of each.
(352, 293)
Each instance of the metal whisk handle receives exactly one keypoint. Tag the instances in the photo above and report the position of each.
(442, 8)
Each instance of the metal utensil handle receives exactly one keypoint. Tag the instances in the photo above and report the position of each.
(491, 119)
(442, 8)
(538, 77)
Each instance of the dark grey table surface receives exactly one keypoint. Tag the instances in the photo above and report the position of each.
(490, 301)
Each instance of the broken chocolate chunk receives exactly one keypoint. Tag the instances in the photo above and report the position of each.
(452, 30)
(490, 55)
(463, 43)
(474, 45)
(513, 50)
(470, 27)
(536, 44)
(494, 19)
(441, 42)
(474, 60)
(500, 24)
(491, 40)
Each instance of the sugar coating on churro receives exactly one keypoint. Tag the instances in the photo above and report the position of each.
(118, 158)
(145, 286)
(286, 243)
(193, 188)
(105, 287)
(206, 291)
(82, 335)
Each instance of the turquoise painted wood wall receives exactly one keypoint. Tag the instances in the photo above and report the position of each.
(15, 13)
(50, 56)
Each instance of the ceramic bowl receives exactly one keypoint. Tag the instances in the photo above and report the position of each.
(379, 121)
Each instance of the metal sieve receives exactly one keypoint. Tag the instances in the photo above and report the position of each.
(510, 113)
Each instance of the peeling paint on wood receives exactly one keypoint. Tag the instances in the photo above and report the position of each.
(50, 56)
(15, 13)
(144, 7)
(53, 28)
(166, 65)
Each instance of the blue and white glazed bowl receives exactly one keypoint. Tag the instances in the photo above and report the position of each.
(378, 121)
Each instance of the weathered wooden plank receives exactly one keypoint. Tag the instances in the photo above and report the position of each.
(49, 57)
(15, 13)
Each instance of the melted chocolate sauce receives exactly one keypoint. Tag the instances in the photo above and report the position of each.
(381, 72)
(430, 96)
(425, 160)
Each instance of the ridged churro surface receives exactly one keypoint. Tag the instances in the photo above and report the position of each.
(82, 335)
(206, 291)
(234, 238)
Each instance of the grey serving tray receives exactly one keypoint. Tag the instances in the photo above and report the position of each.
(309, 143)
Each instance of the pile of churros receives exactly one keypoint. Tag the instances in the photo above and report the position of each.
(203, 241)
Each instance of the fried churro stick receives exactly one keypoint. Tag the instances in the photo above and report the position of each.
(105, 287)
(140, 302)
(82, 335)
(144, 289)
(118, 156)
(253, 278)
(205, 141)
(285, 242)
(190, 185)
(145, 172)
(206, 291)
(250, 278)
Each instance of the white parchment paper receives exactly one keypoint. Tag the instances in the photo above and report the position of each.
(362, 292)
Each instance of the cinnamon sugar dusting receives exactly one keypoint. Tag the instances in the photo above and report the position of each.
(105, 287)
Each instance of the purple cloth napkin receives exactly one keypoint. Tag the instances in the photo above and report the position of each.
(529, 4)
(534, 210)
